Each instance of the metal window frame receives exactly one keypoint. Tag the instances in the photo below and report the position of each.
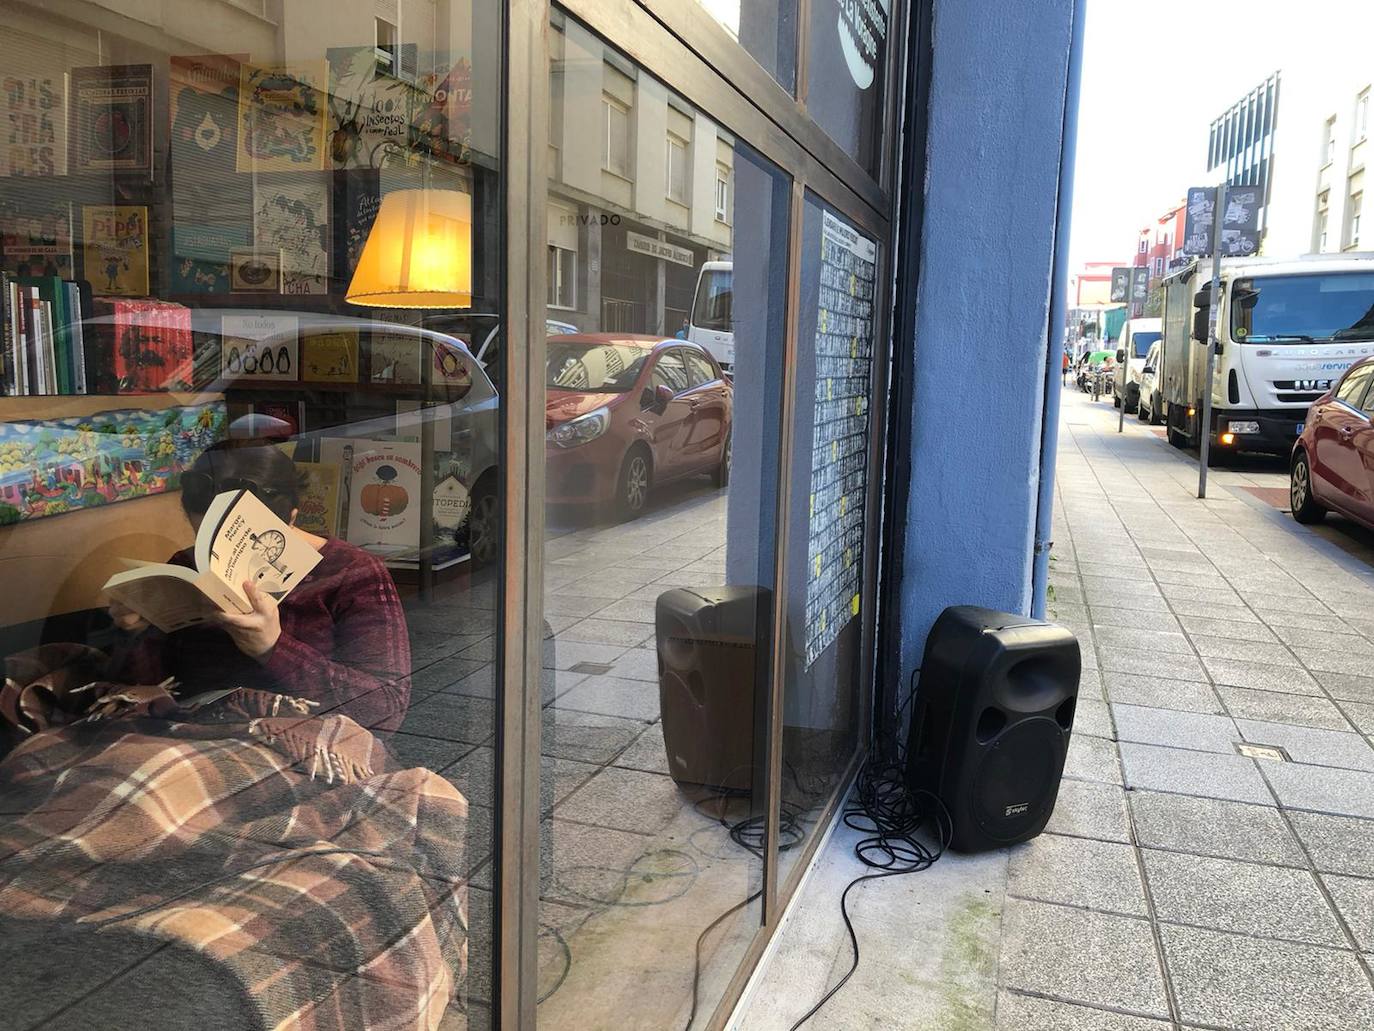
(679, 43)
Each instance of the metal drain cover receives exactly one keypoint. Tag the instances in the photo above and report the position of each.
(1271, 752)
(597, 668)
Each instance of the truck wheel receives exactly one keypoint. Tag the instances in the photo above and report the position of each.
(1132, 400)
(1176, 437)
(1305, 507)
(1140, 413)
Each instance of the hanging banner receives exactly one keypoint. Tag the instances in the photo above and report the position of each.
(1121, 284)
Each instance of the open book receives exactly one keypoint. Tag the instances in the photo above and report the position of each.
(239, 539)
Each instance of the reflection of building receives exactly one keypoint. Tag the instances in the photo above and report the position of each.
(636, 208)
(1092, 285)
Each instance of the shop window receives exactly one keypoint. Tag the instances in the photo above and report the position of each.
(847, 71)
(766, 30)
(562, 275)
(616, 127)
(675, 171)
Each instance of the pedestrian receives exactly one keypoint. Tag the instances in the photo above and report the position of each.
(1064, 373)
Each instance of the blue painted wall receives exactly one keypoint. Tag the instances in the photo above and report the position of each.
(993, 154)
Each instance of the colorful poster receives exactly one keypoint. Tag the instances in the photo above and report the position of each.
(442, 122)
(37, 239)
(281, 118)
(380, 491)
(395, 358)
(201, 257)
(112, 119)
(35, 118)
(258, 346)
(114, 249)
(357, 196)
(291, 215)
(369, 111)
(319, 510)
(330, 357)
(50, 466)
(204, 101)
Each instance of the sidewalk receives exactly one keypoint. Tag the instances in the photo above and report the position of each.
(1181, 884)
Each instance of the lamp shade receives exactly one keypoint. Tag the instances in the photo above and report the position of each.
(418, 253)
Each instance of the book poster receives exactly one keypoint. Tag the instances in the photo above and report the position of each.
(395, 358)
(291, 215)
(36, 239)
(114, 249)
(319, 510)
(369, 111)
(281, 118)
(259, 345)
(255, 270)
(201, 257)
(204, 101)
(357, 196)
(379, 491)
(35, 115)
(112, 118)
(330, 357)
(442, 122)
(839, 445)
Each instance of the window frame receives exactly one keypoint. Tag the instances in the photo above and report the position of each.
(558, 277)
(611, 105)
(674, 142)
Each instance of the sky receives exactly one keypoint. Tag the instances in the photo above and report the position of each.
(1155, 75)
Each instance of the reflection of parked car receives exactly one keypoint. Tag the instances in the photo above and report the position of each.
(626, 414)
(1150, 401)
(1333, 460)
(1137, 337)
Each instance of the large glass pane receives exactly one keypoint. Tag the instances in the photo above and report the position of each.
(831, 439)
(766, 29)
(249, 492)
(661, 462)
(846, 73)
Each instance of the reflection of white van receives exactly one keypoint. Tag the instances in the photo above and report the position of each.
(712, 324)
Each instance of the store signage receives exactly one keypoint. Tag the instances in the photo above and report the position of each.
(863, 29)
(1121, 284)
(1239, 221)
(1140, 284)
(641, 244)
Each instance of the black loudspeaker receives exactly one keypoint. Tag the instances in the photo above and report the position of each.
(991, 720)
(710, 683)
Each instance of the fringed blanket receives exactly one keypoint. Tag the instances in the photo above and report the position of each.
(321, 882)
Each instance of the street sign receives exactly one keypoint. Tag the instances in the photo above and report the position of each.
(1240, 221)
(1121, 284)
(1140, 284)
(1197, 224)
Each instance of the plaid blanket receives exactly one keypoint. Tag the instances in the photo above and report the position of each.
(320, 881)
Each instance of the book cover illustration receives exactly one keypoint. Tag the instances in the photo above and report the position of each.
(291, 215)
(258, 346)
(255, 270)
(319, 510)
(369, 111)
(35, 115)
(203, 92)
(442, 123)
(137, 345)
(381, 490)
(330, 357)
(202, 257)
(36, 240)
(357, 195)
(114, 249)
(394, 358)
(112, 118)
(51, 466)
(281, 118)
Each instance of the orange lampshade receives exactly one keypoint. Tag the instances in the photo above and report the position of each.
(418, 253)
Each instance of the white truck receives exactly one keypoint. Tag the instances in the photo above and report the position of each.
(1286, 330)
(1137, 337)
(712, 322)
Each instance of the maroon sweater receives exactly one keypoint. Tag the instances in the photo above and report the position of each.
(343, 644)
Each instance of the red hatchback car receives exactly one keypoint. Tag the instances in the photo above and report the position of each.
(1333, 460)
(628, 413)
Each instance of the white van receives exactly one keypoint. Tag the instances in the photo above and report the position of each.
(712, 322)
(1137, 337)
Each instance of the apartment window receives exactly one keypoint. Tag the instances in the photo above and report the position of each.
(562, 291)
(675, 171)
(1362, 115)
(1323, 219)
(722, 194)
(616, 158)
(1356, 206)
(1329, 151)
(388, 41)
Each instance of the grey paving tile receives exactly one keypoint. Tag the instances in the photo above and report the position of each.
(1209, 774)
(586, 737)
(1251, 984)
(596, 630)
(1309, 745)
(567, 654)
(1192, 607)
(1016, 1012)
(1206, 595)
(1361, 714)
(452, 718)
(1253, 651)
(1077, 872)
(612, 696)
(1184, 695)
(1276, 707)
(1092, 758)
(1354, 898)
(1175, 729)
(431, 753)
(1133, 619)
(1120, 599)
(1248, 898)
(1261, 676)
(647, 753)
(1233, 629)
(1213, 827)
(1090, 685)
(1337, 844)
(1147, 663)
(1302, 619)
(1322, 788)
(628, 800)
(584, 865)
(1136, 639)
(1096, 958)
(1332, 660)
(1269, 602)
(636, 664)
(1090, 809)
(1301, 637)
(1092, 717)
(581, 605)
(1348, 688)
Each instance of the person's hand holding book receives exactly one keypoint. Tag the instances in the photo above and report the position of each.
(254, 633)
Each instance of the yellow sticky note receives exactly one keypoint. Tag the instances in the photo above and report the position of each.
(853, 284)
(834, 450)
(854, 605)
(830, 390)
(848, 557)
(825, 320)
(853, 347)
(813, 504)
(844, 503)
(818, 565)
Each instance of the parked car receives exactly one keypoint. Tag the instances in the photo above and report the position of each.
(1137, 337)
(1332, 466)
(627, 414)
(1150, 402)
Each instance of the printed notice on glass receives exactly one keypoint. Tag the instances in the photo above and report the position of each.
(839, 448)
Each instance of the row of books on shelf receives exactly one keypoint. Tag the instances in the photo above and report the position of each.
(44, 346)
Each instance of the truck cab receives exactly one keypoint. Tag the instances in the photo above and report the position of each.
(1286, 331)
(712, 322)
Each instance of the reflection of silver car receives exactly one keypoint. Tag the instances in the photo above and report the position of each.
(484, 335)
(416, 384)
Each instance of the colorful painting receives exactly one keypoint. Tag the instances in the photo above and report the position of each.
(281, 118)
(51, 466)
(115, 249)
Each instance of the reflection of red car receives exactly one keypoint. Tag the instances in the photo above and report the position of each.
(627, 413)
(1333, 460)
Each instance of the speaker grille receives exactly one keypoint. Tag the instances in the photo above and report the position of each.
(1017, 779)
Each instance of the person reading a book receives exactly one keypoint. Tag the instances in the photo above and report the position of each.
(337, 637)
